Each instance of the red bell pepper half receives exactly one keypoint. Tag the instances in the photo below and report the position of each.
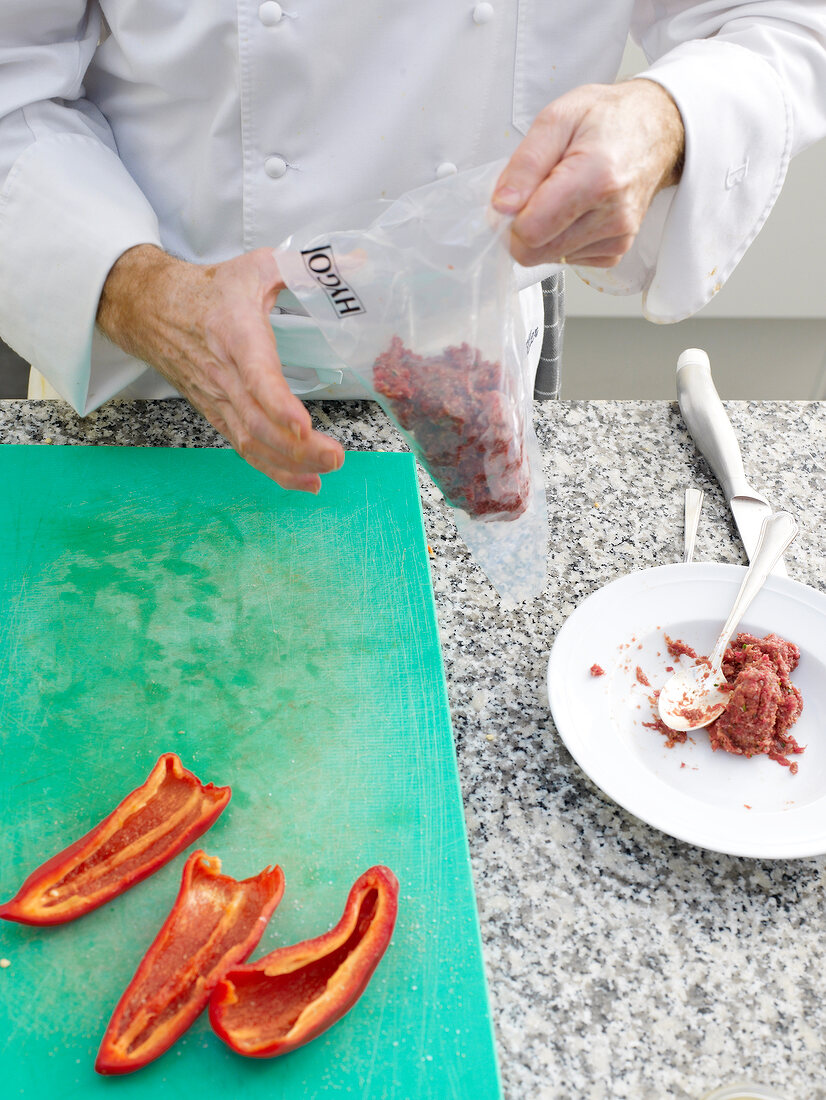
(290, 996)
(214, 924)
(149, 827)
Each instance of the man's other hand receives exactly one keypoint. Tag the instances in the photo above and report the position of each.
(582, 180)
(206, 329)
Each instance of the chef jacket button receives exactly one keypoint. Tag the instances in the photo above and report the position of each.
(482, 13)
(275, 167)
(270, 13)
(446, 169)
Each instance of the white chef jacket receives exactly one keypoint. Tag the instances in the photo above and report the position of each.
(217, 126)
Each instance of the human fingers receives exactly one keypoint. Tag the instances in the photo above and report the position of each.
(587, 239)
(272, 429)
(276, 418)
(268, 460)
(310, 483)
(607, 253)
(597, 259)
(603, 253)
(282, 456)
(235, 416)
(589, 198)
(533, 160)
(625, 143)
(218, 389)
(206, 329)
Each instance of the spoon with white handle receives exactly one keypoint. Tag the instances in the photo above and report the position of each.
(696, 696)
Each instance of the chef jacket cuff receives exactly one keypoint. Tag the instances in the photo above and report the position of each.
(68, 210)
(738, 130)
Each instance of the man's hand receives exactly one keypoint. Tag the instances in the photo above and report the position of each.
(582, 180)
(207, 330)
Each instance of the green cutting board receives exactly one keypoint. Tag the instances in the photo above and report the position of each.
(160, 599)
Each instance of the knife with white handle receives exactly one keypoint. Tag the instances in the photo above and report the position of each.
(711, 430)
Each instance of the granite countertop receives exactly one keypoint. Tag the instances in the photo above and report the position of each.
(621, 963)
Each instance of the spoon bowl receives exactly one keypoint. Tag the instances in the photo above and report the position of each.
(693, 697)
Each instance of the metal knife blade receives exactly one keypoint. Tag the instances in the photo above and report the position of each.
(711, 430)
(749, 513)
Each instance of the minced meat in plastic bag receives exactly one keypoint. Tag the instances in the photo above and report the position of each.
(418, 298)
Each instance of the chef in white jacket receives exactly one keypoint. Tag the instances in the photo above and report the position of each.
(152, 152)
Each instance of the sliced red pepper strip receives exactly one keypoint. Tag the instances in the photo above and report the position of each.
(147, 829)
(290, 996)
(214, 924)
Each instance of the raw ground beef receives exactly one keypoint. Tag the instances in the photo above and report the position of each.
(678, 649)
(764, 704)
(458, 409)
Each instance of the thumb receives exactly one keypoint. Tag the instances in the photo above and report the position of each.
(534, 159)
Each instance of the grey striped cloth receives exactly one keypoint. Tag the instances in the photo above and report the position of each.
(548, 370)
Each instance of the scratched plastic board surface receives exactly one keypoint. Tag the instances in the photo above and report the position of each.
(156, 599)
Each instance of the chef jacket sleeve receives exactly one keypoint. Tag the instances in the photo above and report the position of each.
(68, 206)
(749, 79)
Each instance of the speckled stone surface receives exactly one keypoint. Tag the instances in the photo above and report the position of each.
(622, 964)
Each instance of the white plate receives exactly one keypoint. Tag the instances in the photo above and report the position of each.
(745, 807)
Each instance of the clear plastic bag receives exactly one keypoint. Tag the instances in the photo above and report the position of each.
(418, 298)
